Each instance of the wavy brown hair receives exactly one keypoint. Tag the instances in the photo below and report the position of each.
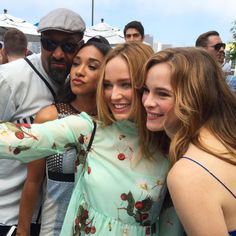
(202, 99)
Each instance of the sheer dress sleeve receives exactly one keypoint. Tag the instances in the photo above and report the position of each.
(27, 142)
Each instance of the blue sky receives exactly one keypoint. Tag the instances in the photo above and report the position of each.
(176, 22)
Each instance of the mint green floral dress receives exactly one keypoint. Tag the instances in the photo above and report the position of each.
(116, 192)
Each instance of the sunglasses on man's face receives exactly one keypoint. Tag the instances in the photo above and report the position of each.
(218, 46)
(67, 47)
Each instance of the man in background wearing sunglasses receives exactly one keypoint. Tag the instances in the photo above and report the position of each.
(212, 43)
(26, 87)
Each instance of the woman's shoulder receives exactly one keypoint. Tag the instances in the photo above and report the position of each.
(47, 113)
(81, 122)
(189, 167)
(180, 173)
(197, 169)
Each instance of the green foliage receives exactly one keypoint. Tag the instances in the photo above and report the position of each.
(233, 44)
(233, 30)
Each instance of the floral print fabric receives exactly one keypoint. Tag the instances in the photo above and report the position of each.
(116, 193)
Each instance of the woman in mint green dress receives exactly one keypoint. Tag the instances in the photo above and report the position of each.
(121, 181)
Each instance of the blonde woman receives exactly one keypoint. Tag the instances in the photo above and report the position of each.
(120, 188)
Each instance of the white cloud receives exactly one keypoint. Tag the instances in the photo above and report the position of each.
(223, 9)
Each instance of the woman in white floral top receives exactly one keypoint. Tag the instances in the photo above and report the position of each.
(121, 181)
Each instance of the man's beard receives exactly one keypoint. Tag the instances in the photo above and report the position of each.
(59, 75)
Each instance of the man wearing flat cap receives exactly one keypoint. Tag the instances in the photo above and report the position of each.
(25, 88)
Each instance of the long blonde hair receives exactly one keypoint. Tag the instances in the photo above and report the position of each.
(202, 99)
(135, 54)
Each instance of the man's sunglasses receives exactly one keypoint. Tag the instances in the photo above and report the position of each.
(218, 46)
(67, 47)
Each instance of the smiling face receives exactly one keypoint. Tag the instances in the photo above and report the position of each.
(158, 100)
(117, 88)
(85, 70)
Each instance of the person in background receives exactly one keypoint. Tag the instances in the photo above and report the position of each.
(121, 181)
(186, 96)
(212, 43)
(134, 31)
(15, 45)
(78, 95)
(1, 53)
(29, 52)
(231, 81)
(226, 67)
(25, 90)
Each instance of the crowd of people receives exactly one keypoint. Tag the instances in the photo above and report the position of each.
(116, 141)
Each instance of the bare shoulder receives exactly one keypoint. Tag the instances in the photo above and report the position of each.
(181, 170)
(46, 114)
(196, 197)
(188, 169)
(186, 173)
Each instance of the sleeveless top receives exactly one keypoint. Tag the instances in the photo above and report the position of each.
(231, 233)
(60, 182)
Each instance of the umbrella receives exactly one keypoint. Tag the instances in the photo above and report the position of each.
(8, 21)
(112, 34)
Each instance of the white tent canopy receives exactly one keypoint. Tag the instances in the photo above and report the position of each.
(112, 34)
(8, 21)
